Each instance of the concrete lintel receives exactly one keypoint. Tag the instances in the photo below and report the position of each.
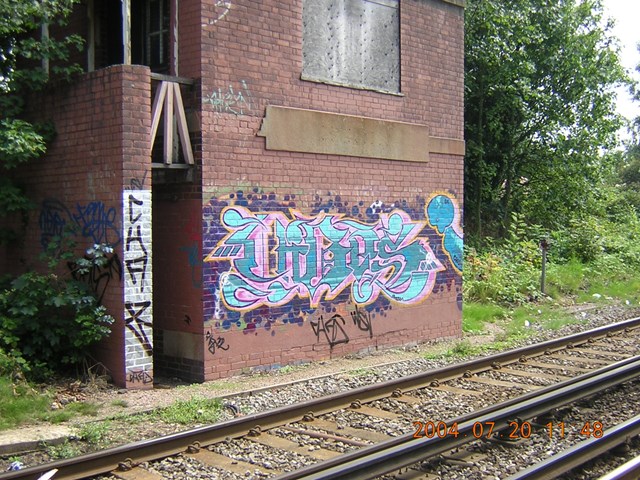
(457, 3)
(313, 131)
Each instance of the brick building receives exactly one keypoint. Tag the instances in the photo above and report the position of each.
(282, 180)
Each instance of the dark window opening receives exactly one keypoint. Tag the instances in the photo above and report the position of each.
(108, 33)
(150, 34)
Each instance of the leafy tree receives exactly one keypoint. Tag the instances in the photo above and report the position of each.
(539, 110)
(23, 62)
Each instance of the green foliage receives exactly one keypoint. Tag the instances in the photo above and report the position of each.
(95, 433)
(539, 110)
(21, 55)
(64, 450)
(565, 278)
(49, 320)
(508, 273)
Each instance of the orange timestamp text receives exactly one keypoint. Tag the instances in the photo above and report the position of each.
(514, 431)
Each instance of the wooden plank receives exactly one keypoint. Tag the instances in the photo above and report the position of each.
(183, 130)
(280, 443)
(570, 358)
(136, 473)
(168, 127)
(126, 32)
(501, 383)
(332, 428)
(554, 366)
(239, 467)
(408, 399)
(156, 110)
(456, 390)
(520, 373)
(593, 351)
(375, 412)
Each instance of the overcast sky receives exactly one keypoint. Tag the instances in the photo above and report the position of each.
(626, 14)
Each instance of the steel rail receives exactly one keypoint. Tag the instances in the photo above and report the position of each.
(147, 450)
(627, 471)
(406, 450)
(581, 452)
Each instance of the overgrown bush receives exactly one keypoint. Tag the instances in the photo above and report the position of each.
(49, 320)
(508, 273)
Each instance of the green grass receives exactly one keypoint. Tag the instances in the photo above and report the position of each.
(475, 315)
(28, 405)
(23, 407)
(224, 385)
(195, 410)
(627, 289)
(72, 410)
(565, 279)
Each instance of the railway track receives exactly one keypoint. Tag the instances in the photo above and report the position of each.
(447, 408)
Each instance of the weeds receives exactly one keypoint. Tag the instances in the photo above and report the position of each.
(195, 410)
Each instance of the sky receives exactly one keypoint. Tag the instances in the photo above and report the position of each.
(626, 14)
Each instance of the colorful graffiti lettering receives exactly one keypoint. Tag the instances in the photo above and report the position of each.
(444, 215)
(275, 258)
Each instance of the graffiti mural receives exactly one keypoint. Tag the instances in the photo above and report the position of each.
(267, 264)
(319, 257)
(137, 287)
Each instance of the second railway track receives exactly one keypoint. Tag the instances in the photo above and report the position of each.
(271, 443)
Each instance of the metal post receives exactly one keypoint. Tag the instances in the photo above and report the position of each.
(544, 246)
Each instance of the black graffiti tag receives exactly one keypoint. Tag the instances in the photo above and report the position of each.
(215, 343)
(333, 331)
(137, 325)
(362, 320)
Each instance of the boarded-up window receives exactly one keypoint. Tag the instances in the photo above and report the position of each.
(352, 42)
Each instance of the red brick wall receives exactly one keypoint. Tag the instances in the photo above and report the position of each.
(253, 58)
(102, 121)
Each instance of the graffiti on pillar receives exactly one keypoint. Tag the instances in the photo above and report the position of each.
(137, 277)
(93, 220)
(267, 262)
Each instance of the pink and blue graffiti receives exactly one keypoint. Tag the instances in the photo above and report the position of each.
(275, 258)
